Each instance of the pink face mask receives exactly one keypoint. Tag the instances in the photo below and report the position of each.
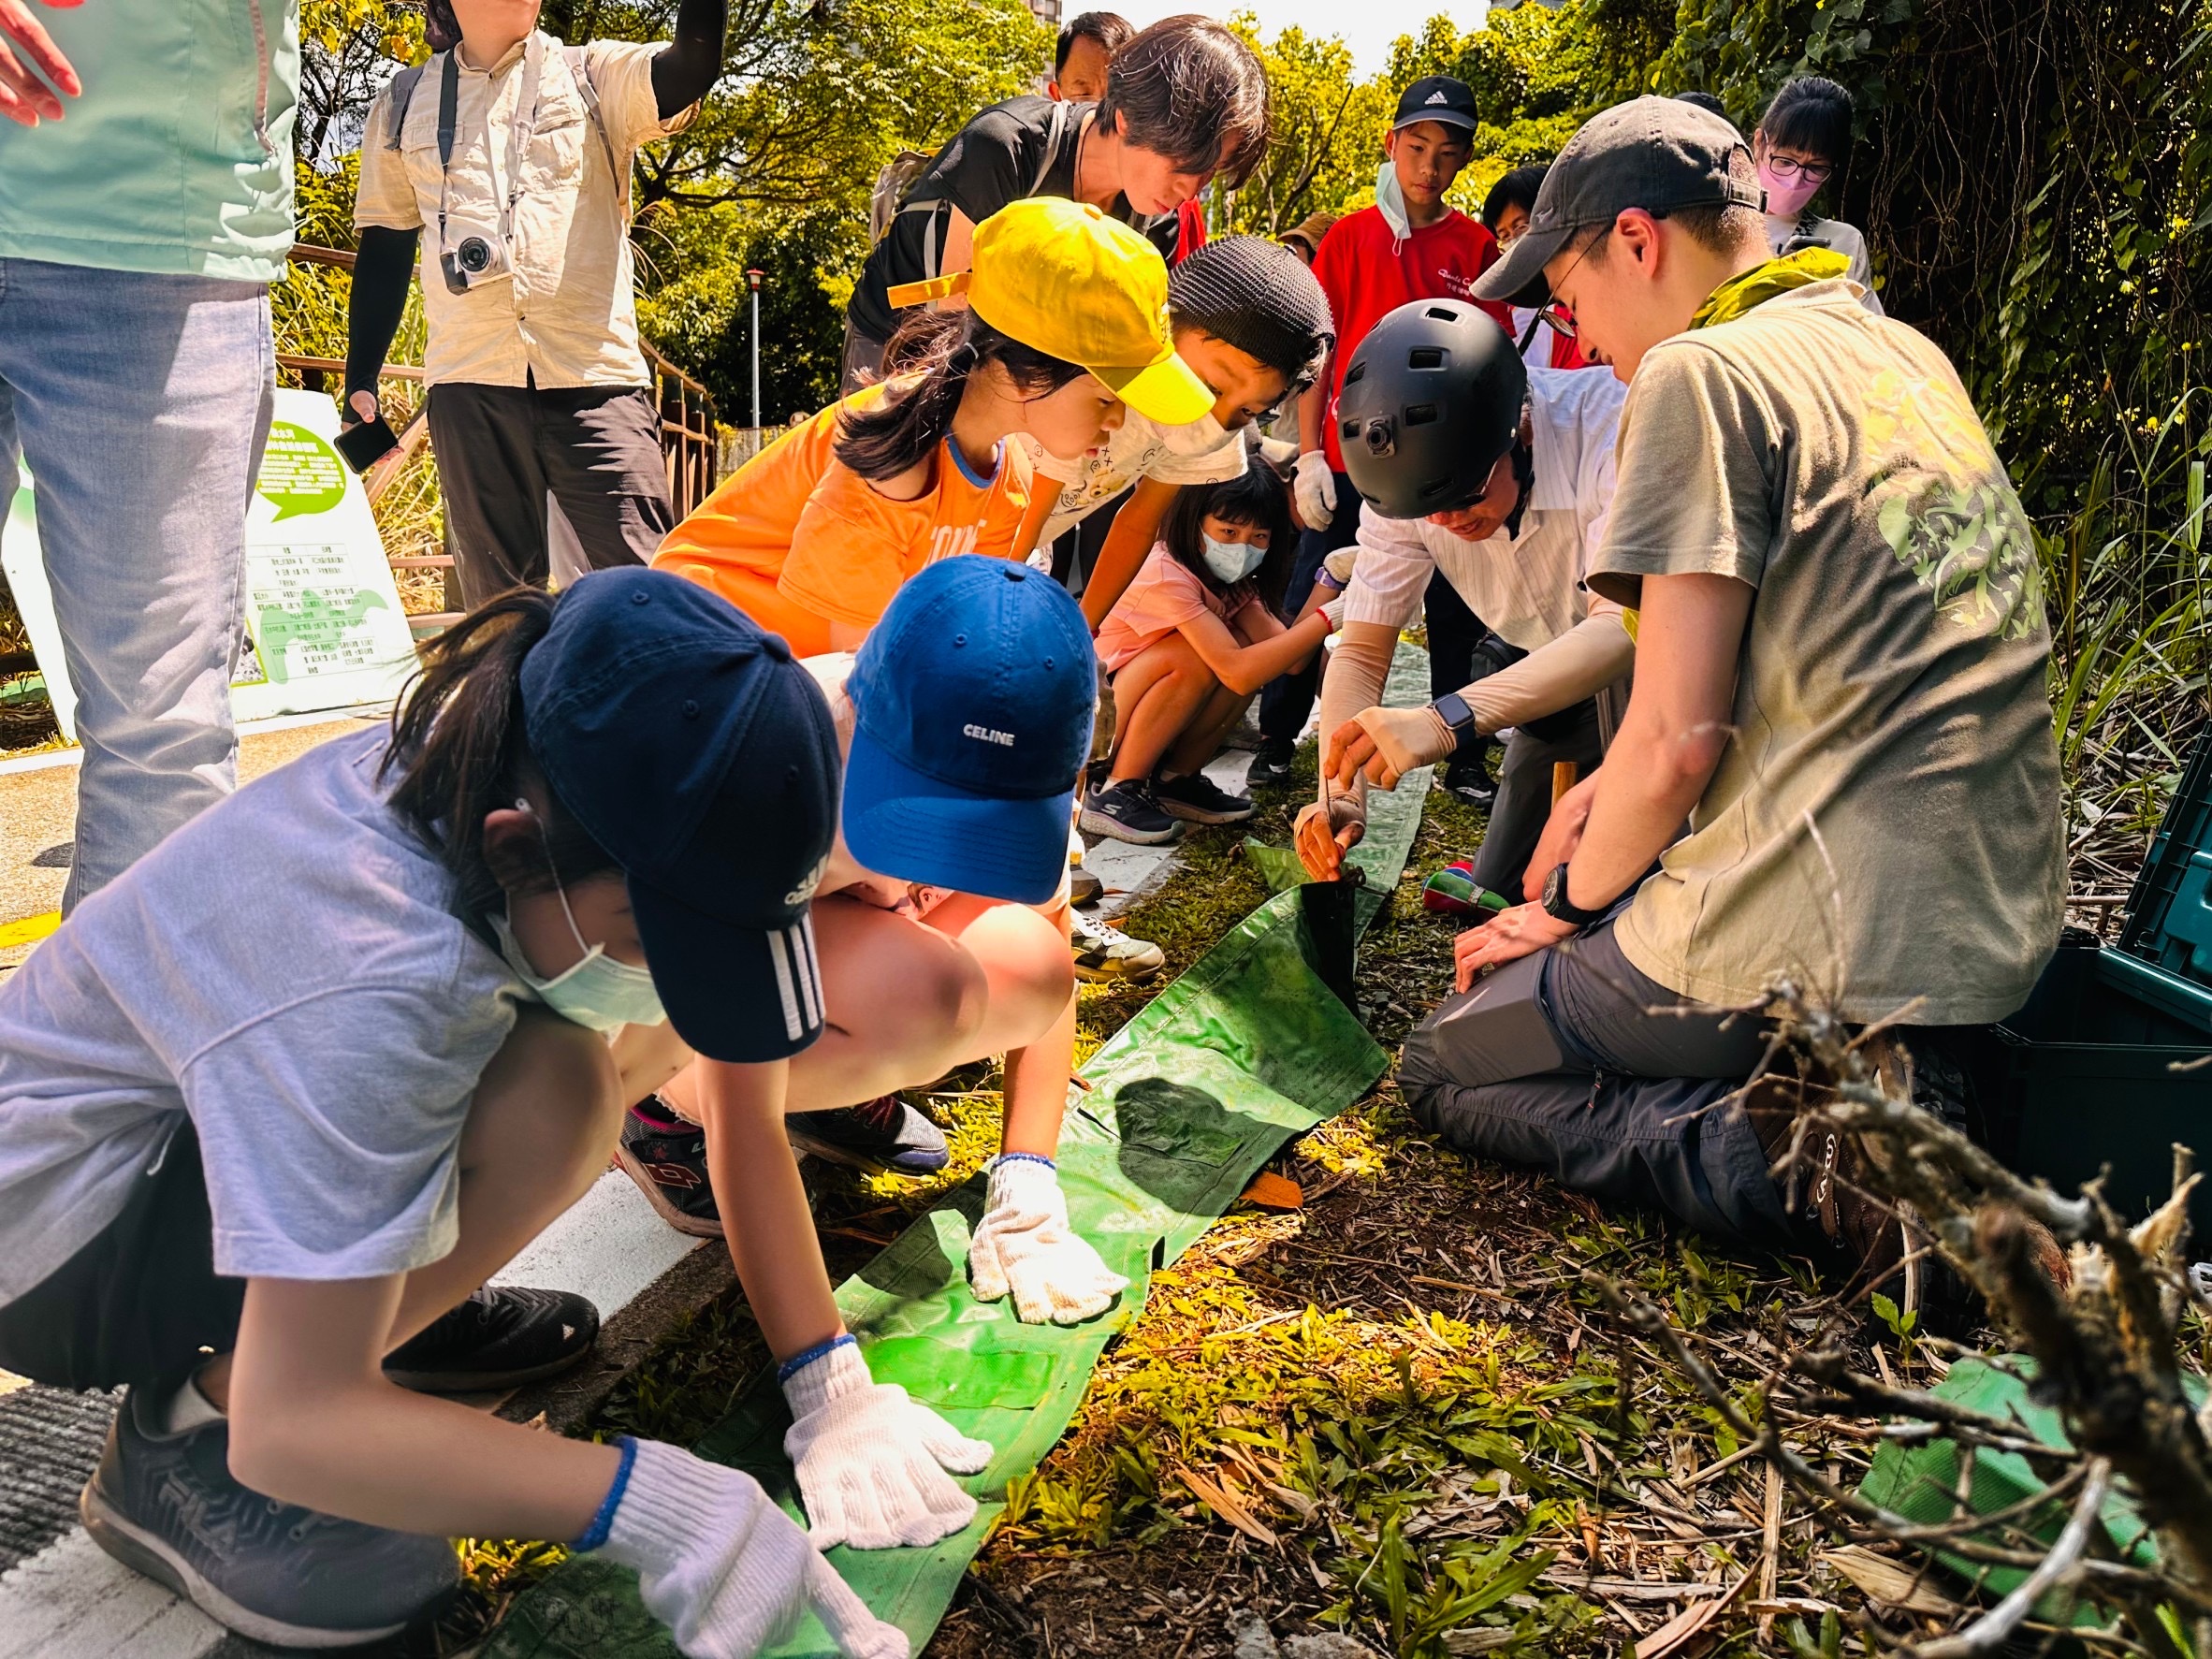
(1785, 197)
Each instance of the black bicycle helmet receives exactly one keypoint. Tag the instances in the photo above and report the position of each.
(1430, 400)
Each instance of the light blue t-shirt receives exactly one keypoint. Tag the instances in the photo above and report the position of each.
(177, 157)
(285, 969)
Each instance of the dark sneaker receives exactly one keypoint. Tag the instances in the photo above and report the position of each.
(1106, 954)
(885, 1135)
(1197, 799)
(167, 1506)
(1272, 764)
(667, 1156)
(502, 1337)
(1471, 783)
(1127, 811)
(1084, 886)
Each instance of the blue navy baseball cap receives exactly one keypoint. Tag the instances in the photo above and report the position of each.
(703, 760)
(972, 702)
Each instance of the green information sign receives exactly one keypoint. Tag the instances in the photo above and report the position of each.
(300, 472)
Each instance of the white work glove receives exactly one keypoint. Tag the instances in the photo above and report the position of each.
(871, 1462)
(726, 1570)
(1314, 487)
(1333, 610)
(1340, 564)
(1024, 1245)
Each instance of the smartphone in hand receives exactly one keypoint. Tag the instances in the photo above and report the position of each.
(364, 443)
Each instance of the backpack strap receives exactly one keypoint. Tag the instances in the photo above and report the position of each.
(581, 67)
(401, 94)
(1055, 133)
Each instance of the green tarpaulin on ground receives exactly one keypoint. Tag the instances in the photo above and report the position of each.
(1922, 1482)
(1243, 1052)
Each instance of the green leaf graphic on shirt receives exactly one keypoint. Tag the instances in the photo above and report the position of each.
(300, 472)
(318, 625)
(1947, 510)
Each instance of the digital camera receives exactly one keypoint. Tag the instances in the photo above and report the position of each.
(472, 254)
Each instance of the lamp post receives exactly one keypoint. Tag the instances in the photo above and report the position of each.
(753, 278)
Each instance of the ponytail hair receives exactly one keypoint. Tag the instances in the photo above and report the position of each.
(938, 351)
(460, 752)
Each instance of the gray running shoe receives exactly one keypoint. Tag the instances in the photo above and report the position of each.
(885, 1136)
(1127, 811)
(167, 1506)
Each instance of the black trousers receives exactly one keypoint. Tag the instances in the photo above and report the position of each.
(501, 449)
(1286, 701)
(1454, 633)
(140, 1301)
(1524, 791)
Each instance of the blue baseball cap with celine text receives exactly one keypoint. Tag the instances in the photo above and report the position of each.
(703, 760)
(972, 700)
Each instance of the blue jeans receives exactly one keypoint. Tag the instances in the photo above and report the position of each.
(141, 403)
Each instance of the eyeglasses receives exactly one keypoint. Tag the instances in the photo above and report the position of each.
(1789, 167)
(1555, 313)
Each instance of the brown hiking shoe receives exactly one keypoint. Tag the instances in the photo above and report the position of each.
(1826, 1178)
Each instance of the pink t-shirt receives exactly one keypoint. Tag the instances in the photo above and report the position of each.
(1165, 594)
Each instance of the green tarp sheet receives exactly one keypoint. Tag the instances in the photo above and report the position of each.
(1920, 1482)
(1240, 1054)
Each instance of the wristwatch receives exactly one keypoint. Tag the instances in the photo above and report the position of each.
(1451, 708)
(1557, 904)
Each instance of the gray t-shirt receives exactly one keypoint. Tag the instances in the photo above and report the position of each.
(285, 969)
(1891, 693)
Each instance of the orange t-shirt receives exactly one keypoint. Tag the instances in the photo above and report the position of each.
(797, 539)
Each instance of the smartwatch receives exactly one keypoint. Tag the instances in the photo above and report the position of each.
(1452, 709)
(1559, 907)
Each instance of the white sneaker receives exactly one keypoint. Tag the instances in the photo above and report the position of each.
(1107, 954)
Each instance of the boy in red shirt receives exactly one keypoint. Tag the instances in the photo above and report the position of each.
(1411, 245)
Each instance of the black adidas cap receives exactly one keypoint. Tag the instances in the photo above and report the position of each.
(1652, 152)
(1436, 97)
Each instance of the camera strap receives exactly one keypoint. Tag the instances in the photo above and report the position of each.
(519, 131)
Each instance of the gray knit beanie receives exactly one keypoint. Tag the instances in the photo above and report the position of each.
(1258, 296)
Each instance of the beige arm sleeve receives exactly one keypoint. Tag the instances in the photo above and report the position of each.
(1358, 669)
(1580, 663)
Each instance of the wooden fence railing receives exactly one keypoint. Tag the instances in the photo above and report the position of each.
(691, 437)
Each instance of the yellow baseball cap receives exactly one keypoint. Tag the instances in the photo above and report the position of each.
(1065, 279)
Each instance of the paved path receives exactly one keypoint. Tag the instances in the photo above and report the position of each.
(39, 818)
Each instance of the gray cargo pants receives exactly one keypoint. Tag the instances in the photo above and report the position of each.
(1558, 1062)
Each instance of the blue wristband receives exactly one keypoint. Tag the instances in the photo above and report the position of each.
(1025, 1157)
(595, 1535)
(799, 1362)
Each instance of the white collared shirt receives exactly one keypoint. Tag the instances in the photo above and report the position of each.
(1527, 587)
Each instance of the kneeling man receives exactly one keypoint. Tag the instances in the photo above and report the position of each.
(1840, 686)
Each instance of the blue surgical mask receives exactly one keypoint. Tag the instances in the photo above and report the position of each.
(1232, 561)
(597, 992)
(1392, 200)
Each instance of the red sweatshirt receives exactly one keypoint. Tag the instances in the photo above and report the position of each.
(1367, 274)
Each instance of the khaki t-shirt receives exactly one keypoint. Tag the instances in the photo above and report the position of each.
(568, 316)
(1891, 694)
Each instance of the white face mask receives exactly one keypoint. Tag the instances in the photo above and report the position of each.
(1392, 200)
(1232, 561)
(598, 991)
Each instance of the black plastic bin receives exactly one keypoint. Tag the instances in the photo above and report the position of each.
(2110, 1063)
